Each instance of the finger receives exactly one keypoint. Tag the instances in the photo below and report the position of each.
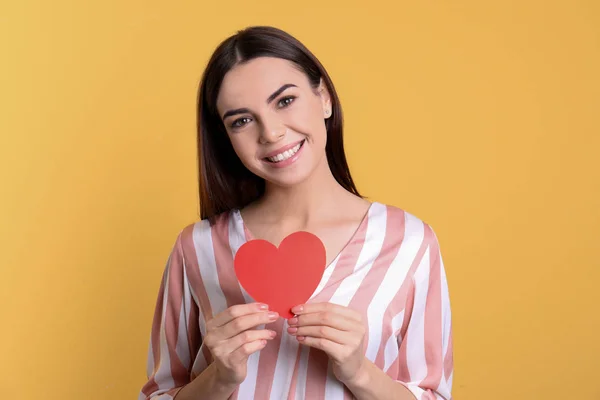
(324, 332)
(242, 353)
(233, 312)
(231, 345)
(244, 323)
(327, 318)
(331, 348)
(310, 308)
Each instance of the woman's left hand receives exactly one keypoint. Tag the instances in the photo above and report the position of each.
(338, 331)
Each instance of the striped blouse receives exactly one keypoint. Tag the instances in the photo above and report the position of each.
(391, 271)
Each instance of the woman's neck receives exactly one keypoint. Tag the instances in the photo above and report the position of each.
(314, 199)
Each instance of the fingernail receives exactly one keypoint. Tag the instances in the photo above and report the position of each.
(263, 307)
(292, 330)
(273, 315)
(293, 321)
(273, 334)
(297, 309)
(300, 338)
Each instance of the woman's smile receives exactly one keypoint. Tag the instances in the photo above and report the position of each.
(285, 157)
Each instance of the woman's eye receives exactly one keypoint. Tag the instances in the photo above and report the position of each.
(286, 101)
(238, 123)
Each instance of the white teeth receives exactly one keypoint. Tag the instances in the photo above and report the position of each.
(286, 154)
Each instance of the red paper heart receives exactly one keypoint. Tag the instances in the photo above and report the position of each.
(284, 277)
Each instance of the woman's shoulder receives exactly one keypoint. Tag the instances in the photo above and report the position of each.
(204, 226)
(393, 209)
(413, 225)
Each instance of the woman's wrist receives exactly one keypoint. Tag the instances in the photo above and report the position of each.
(361, 378)
(222, 384)
(207, 382)
(371, 383)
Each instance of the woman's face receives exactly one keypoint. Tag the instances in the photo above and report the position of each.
(275, 119)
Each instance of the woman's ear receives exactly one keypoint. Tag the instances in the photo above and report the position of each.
(325, 99)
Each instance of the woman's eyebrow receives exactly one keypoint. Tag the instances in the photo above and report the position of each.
(269, 100)
(234, 112)
(279, 91)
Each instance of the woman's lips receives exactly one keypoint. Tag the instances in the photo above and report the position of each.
(288, 161)
(282, 149)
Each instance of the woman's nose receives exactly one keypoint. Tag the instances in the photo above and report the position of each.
(272, 131)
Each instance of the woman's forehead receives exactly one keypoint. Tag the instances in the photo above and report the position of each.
(257, 79)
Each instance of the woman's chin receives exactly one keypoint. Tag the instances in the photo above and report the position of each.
(287, 179)
(286, 182)
(289, 175)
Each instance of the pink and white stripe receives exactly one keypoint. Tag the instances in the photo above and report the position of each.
(391, 271)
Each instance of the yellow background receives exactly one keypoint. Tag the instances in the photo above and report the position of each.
(482, 118)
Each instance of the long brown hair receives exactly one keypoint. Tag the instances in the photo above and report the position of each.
(224, 182)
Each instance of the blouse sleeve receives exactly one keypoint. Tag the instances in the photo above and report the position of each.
(425, 345)
(175, 337)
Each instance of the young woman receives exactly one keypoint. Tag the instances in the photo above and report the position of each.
(271, 163)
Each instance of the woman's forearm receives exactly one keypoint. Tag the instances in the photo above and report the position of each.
(371, 383)
(206, 387)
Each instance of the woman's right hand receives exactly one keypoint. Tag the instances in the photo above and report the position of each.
(231, 338)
